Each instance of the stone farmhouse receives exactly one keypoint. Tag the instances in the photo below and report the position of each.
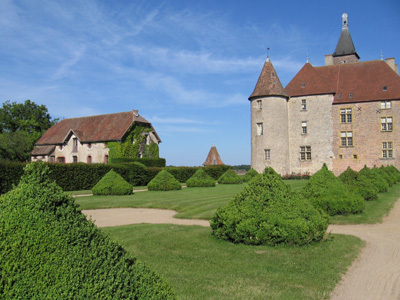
(346, 113)
(85, 139)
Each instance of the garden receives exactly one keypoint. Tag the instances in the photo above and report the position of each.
(243, 255)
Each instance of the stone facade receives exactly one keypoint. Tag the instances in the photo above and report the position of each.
(344, 114)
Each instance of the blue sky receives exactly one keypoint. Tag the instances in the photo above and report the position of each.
(187, 66)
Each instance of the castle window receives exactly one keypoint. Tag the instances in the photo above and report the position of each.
(387, 150)
(61, 159)
(340, 156)
(260, 129)
(89, 159)
(75, 159)
(305, 153)
(386, 124)
(75, 145)
(259, 104)
(267, 154)
(386, 104)
(303, 104)
(345, 115)
(346, 138)
(304, 127)
(355, 156)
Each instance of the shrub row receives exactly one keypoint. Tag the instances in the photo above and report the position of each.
(112, 184)
(49, 250)
(147, 161)
(81, 176)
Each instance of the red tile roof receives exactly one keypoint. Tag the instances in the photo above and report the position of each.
(213, 157)
(100, 128)
(352, 82)
(268, 83)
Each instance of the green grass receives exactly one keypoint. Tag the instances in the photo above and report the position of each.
(296, 185)
(199, 266)
(374, 210)
(190, 203)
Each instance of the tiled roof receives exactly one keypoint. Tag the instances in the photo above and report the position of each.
(268, 83)
(352, 82)
(42, 150)
(213, 156)
(100, 128)
(345, 45)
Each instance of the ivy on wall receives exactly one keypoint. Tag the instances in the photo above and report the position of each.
(134, 144)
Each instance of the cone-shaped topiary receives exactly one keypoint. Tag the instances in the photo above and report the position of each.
(200, 179)
(250, 175)
(326, 191)
(377, 180)
(393, 172)
(359, 183)
(268, 212)
(385, 175)
(112, 184)
(49, 250)
(229, 177)
(164, 181)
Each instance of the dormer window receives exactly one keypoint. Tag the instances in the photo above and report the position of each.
(384, 88)
(339, 96)
(351, 95)
(303, 85)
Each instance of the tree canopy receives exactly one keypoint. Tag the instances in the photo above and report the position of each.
(21, 125)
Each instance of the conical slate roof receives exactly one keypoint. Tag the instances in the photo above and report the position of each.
(345, 45)
(213, 157)
(268, 83)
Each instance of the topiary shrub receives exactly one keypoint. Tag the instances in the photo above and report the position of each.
(393, 172)
(268, 212)
(49, 250)
(377, 180)
(389, 179)
(164, 181)
(200, 179)
(359, 183)
(229, 177)
(112, 184)
(249, 175)
(327, 192)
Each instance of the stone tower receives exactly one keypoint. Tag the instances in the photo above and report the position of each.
(213, 158)
(269, 122)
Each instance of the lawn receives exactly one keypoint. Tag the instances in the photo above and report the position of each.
(199, 266)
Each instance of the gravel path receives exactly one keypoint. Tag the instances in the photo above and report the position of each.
(374, 275)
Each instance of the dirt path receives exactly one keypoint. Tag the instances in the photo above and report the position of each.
(376, 272)
(124, 216)
(374, 275)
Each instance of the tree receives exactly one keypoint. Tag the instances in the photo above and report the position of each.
(21, 125)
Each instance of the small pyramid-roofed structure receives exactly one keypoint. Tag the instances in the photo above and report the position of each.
(268, 83)
(345, 45)
(213, 158)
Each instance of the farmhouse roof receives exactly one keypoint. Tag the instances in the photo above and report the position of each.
(43, 150)
(268, 83)
(350, 83)
(100, 128)
(213, 157)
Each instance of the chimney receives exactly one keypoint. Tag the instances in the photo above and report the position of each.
(391, 63)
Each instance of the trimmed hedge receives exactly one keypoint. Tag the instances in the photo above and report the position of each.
(10, 174)
(250, 174)
(229, 177)
(327, 192)
(48, 250)
(268, 212)
(385, 176)
(164, 181)
(112, 184)
(360, 184)
(200, 179)
(148, 161)
(377, 180)
(393, 172)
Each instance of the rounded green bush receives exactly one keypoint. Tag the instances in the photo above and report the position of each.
(359, 183)
(112, 184)
(393, 171)
(377, 180)
(250, 174)
(200, 179)
(327, 192)
(164, 181)
(229, 177)
(389, 179)
(268, 212)
(49, 250)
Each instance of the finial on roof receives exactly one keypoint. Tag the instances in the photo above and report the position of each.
(345, 21)
(307, 57)
(381, 54)
(268, 55)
